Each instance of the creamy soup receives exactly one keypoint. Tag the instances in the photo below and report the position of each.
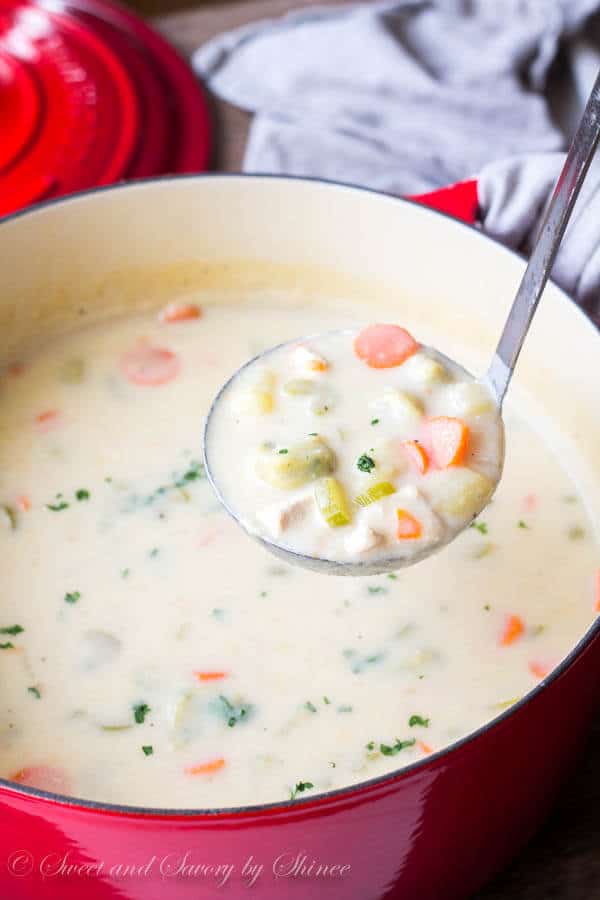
(361, 447)
(152, 653)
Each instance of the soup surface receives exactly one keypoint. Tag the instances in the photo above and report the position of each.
(153, 654)
(361, 447)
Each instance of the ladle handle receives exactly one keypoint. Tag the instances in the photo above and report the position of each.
(544, 252)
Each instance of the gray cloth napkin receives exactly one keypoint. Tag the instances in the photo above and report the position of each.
(407, 96)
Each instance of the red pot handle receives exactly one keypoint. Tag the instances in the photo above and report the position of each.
(458, 200)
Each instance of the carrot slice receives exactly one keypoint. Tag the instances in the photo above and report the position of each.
(209, 676)
(179, 312)
(207, 768)
(539, 669)
(409, 528)
(47, 420)
(417, 455)
(149, 365)
(424, 748)
(597, 604)
(23, 503)
(447, 439)
(14, 369)
(513, 629)
(384, 346)
(46, 778)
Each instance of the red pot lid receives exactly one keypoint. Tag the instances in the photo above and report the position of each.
(90, 95)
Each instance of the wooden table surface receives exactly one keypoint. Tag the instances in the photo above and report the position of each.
(563, 861)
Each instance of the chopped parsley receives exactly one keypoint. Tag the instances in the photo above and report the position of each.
(234, 714)
(312, 434)
(576, 533)
(154, 553)
(11, 515)
(326, 700)
(418, 720)
(310, 706)
(140, 711)
(522, 524)
(35, 691)
(218, 614)
(376, 589)
(82, 494)
(195, 472)
(283, 451)
(125, 573)
(147, 749)
(480, 526)
(365, 463)
(57, 507)
(345, 709)
(392, 576)
(8, 645)
(393, 749)
(371, 745)
(72, 596)
(12, 629)
(300, 787)
(374, 421)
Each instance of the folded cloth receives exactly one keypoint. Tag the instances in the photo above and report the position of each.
(513, 195)
(403, 96)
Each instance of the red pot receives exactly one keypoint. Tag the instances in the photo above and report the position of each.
(442, 826)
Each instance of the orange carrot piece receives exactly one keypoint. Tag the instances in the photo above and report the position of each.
(47, 420)
(513, 629)
(447, 438)
(424, 748)
(46, 778)
(207, 768)
(318, 365)
(417, 455)
(384, 346)
(409, 528)
(149, 366)
(179, 312)
(209, 676)
(539, 669)
(23, 503)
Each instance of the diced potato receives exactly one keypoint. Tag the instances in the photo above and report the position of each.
(255, 402)
(405, 409)
(424, 371)
(309, 362)
(390, 460)
(257, 399)
(467, 398)
(303, 462)
(332, 502)
(458, 491)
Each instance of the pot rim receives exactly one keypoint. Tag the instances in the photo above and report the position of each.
(380, 780)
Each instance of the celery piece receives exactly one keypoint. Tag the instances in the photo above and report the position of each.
(332, 502)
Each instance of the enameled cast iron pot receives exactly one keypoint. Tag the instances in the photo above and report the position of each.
(441, 827)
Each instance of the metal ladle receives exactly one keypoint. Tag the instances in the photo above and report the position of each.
(501, 369)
